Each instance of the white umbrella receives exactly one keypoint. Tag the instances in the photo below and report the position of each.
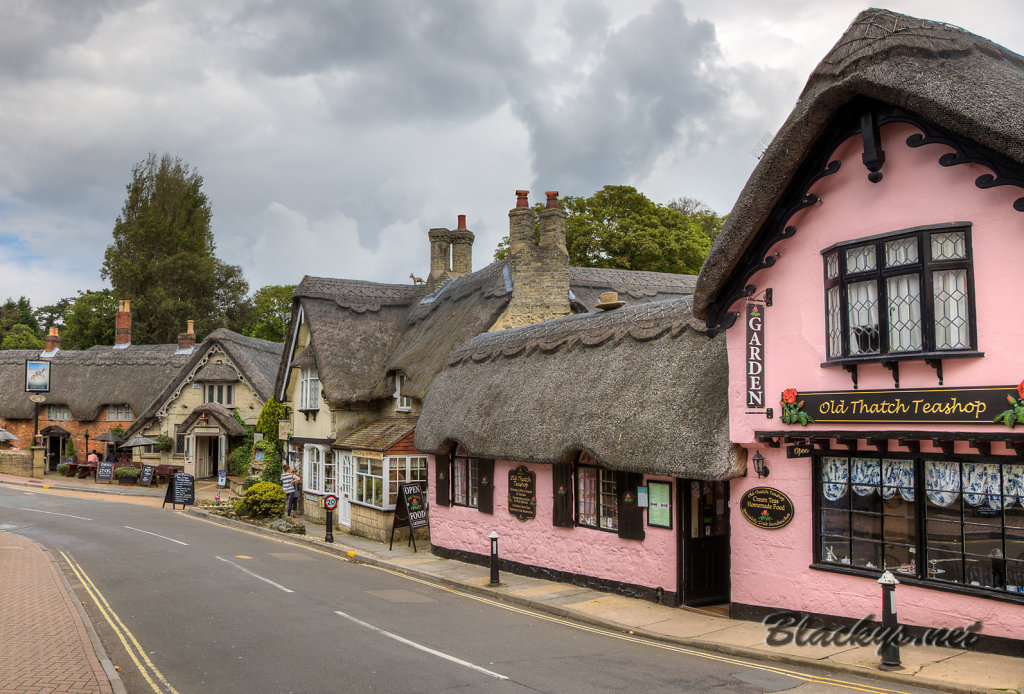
(8, 436)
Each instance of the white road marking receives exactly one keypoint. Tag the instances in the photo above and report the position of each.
(138, 530)
(265, 580)
(423, 648)
(53, 513)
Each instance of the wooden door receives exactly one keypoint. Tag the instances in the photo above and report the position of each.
(705, 522)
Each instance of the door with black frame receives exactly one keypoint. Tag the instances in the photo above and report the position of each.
(705, 525)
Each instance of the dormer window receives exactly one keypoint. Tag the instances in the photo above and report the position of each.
(900, 295)
(119, 413)
(309, 390)
(404, 403)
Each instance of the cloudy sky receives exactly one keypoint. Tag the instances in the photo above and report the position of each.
(331, 134)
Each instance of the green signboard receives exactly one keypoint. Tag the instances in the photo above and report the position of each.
(659, 510)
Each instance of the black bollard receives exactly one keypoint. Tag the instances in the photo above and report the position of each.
(494, 559)
(329, 537)
(890, 624)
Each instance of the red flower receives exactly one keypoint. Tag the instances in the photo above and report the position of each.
(789, 395)
(1020, 389)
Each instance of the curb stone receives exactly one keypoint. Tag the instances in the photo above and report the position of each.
(354, 554)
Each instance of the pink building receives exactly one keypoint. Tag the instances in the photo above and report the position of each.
(595, 445)
(866, 283)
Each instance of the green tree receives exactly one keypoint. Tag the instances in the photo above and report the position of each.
(162, 257)
(89, 320)
(270, 309)
(20, 311)
(710, 222)
(619, 227)
(54, 314)
(21, 336)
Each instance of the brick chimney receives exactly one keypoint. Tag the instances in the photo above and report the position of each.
(538, 263)
(187, 339)
(123, 324)
(52, 341)
(451, 253)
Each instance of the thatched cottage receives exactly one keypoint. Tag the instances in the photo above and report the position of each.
(195, 408)
(595, 445)
(90, 391)
(361, 356)
(872, 260)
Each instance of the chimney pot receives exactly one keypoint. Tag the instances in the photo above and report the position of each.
(521, 200)
(462, 221)
(552, 203)
(191, 327)
(52, 340)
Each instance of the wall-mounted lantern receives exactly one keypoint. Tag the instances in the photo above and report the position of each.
(759, 467)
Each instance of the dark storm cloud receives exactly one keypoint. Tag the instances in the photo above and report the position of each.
(31, 30)
(390, 61)
(653, 81)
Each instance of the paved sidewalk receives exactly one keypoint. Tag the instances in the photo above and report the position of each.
(943, 669)
(46, 646)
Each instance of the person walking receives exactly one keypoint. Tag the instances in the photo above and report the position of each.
(289, 478)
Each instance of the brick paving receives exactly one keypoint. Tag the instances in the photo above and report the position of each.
(44, 646)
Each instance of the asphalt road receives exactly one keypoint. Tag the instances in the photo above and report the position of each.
(213, 609)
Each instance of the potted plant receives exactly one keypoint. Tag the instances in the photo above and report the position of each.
(63, 468)
(126, 475)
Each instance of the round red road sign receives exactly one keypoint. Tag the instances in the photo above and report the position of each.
(330, 502)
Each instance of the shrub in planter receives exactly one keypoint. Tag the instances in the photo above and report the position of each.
(63, 468)
(126, 475)
(69, 449)
(263, 500)
(164, 443)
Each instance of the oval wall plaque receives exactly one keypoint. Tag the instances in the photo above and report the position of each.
(766, 508)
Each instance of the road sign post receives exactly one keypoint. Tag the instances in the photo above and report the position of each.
(330, 503)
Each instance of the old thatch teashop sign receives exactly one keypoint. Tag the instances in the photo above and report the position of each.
(980, 405)
(766, 508)
(522, 493)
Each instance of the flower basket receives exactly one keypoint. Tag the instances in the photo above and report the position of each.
(126, 475)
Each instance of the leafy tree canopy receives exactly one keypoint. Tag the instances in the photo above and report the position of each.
(268, 312)
(89, 320)
(162, 256)
(21, 336)
(619, 227)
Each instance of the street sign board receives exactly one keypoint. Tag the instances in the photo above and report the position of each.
(330, 502)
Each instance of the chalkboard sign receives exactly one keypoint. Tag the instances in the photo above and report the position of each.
(105, 471)
(181, 490)
(767, 508)
(410, 512)
(522, 493)
(146, 478)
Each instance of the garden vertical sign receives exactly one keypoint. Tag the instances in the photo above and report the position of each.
(755, 355)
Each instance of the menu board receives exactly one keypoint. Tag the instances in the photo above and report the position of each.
(522, 493)
(146, 478)
(659, 509)
(181, 490)
(105, 471)
(410, 511)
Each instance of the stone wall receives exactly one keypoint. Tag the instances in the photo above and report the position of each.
(376, 525)
(18, 462)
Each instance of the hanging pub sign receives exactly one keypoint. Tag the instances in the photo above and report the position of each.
(755, 355)
(978, 405)
(37, 376)
(522, 493)
(766, 508)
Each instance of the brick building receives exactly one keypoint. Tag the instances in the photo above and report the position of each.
(91, 392)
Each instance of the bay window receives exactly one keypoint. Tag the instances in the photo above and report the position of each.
(932, 518)
(377, 479)
(907, 293)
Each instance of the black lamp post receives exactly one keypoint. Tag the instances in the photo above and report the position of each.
(759, 467)
(87, 445)
(495, 581)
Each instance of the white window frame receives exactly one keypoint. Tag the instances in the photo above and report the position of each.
(58, 413)
(404, 402)
(119, 413)
(309, 389)
(394, 469)
(313, 468)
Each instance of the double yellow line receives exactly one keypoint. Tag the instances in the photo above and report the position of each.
(131, 645)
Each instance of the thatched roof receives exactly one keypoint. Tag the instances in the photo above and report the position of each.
(89, 380)
(362, 332)
(966, 84)
(217, 413)
(256, 362)
(640, 388)
(379, 435)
